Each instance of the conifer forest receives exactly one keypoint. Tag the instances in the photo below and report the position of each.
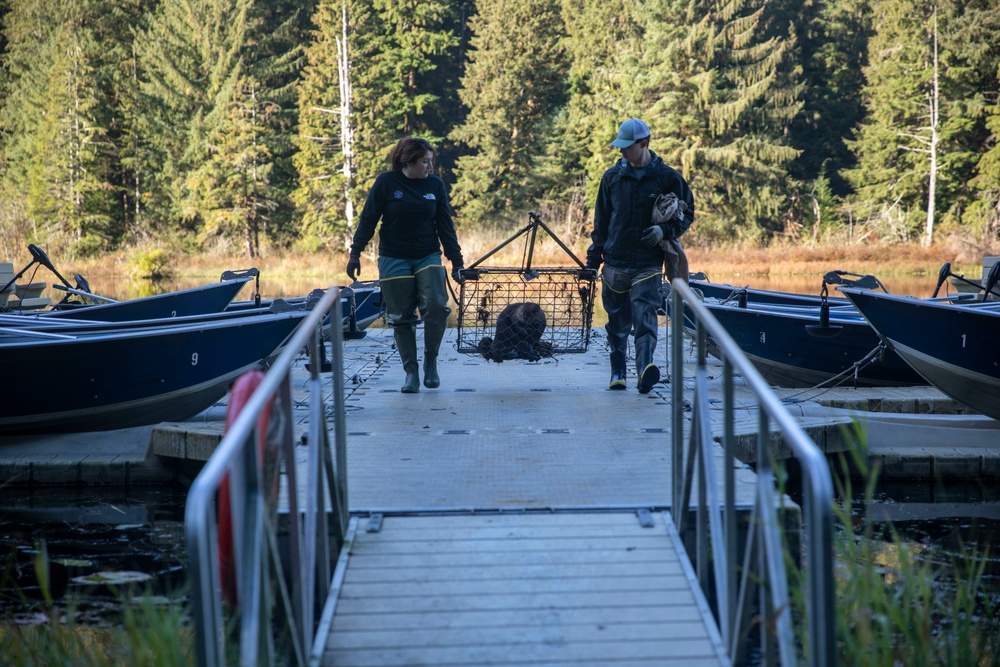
(237, 125)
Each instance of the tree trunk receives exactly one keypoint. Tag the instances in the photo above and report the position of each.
(346, 130)
(932, 147)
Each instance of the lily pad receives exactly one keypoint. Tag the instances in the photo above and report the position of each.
(129, 526)
(113, 578)
(31, 618)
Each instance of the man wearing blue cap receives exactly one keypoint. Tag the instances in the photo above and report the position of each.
(642, 207)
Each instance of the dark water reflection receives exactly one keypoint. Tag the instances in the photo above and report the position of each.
(86, 532)
(943, 524)
(947, 524)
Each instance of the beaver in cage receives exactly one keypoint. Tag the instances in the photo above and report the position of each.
(518, 335)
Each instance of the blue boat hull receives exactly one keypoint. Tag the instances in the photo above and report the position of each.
(135, 377)
(956, 348)
(211, 298)
(787, 355)
(723, 291)
(361, 305)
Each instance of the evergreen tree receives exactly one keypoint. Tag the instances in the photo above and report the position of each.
(514, 84)
(723, 93)
(320, 196)
(833, 42)
(62, 119)
(237, 195)
(891, 177)
(984, 212)
(206, 65)
(276, 59)
(180, 56)
(380, 77)
(396, 52)
(603, 43)
(971, 49)
(395, 49)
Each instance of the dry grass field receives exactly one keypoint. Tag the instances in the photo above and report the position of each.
(912, 268)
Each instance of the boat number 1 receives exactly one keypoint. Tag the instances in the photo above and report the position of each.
(963, 340)
(194, 359)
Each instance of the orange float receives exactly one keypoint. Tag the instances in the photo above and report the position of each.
(239, 395)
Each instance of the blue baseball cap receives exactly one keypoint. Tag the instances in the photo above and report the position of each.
(630, 132)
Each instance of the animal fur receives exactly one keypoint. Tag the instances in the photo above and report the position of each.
(518, 335)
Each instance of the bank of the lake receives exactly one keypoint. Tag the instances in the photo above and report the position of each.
(904, 269)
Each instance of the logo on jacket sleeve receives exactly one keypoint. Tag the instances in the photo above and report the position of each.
(430, 195)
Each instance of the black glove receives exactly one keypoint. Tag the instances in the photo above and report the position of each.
(652, 235)
(593, 263)
(456, 272)
(353, 267)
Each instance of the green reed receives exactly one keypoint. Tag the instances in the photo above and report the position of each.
(895, 605)
(149, 632)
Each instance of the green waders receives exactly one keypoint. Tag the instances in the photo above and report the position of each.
(400, 297)
(432, 294)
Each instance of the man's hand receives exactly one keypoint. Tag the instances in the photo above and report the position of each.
(456, 273)
(354, 267)
(652, 235)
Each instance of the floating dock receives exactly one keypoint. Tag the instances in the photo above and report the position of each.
(918, 433)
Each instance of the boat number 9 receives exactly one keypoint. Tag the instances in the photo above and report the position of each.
(763, 337)
(194, 359)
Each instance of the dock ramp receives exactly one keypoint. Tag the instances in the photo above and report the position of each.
(528, 588)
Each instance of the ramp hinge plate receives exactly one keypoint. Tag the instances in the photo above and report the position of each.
(645, 518)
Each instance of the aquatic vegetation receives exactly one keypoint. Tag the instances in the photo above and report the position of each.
(898, 605)
(152, 631)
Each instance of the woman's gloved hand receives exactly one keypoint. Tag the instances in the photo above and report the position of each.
(354, 267)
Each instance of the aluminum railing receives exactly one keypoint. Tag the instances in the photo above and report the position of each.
(763, 564)
(279, 592)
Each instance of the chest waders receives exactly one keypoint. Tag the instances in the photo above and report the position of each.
(630, 298)
(404, 296)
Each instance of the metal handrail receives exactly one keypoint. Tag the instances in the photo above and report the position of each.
(763, 563)
(264, 628)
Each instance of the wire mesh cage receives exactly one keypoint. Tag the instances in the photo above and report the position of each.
(525, 312)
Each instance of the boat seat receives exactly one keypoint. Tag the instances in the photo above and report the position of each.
(29, 290)
(963, 287)
(6, 275)
(29, 297)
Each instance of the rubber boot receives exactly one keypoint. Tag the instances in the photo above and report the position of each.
(648, 372)
(432, 296)
(619, 363)
(400, 298)
(406, 345)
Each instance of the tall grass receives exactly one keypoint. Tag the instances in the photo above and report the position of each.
(896, 606)
(785, 258)
(151, 632)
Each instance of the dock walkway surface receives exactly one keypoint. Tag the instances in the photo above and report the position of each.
(510, 533)
(914, 449)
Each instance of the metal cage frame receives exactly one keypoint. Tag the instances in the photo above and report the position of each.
(565, 294)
